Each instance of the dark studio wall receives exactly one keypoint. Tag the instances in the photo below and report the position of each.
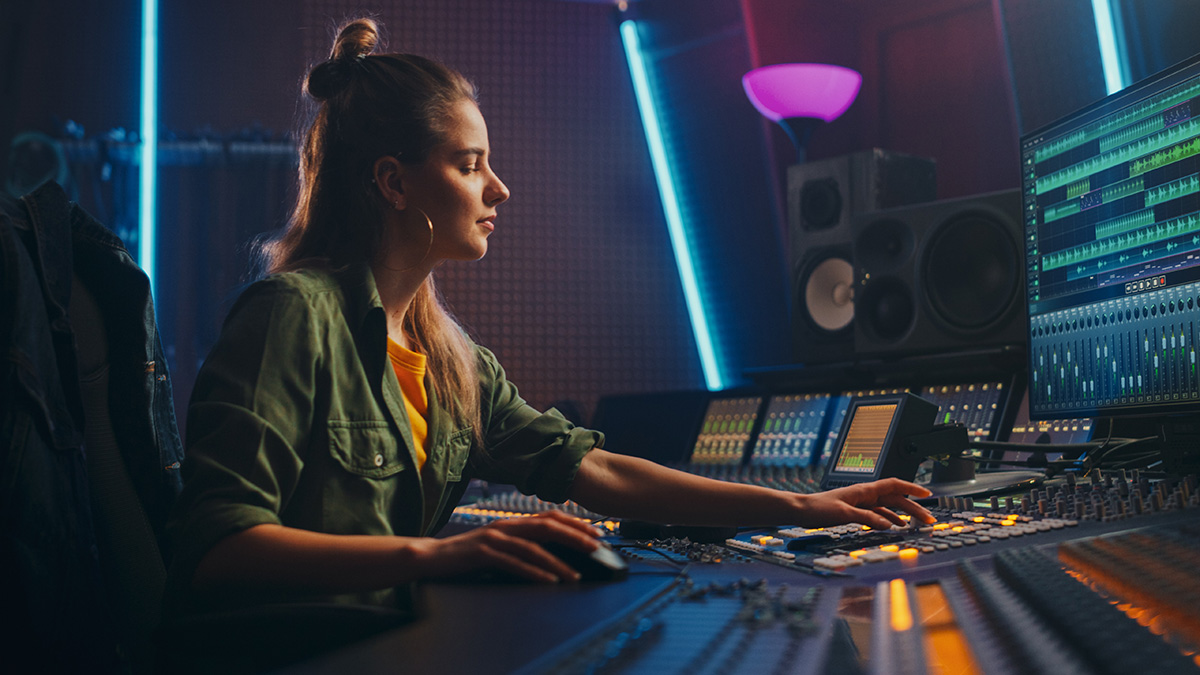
(935, 81)
(67, 61)
(579, 294)
(1158, 34)
(714, 137)
(957, 80)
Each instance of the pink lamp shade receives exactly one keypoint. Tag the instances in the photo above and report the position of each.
(801, 97)
(790, 90)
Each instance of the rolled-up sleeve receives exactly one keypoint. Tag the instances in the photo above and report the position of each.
(249, 423)
(537, 452)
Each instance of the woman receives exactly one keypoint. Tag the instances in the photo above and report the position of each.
(342, 412)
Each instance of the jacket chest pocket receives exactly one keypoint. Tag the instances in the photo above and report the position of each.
(366, 448)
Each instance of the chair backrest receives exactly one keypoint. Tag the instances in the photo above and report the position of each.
(129, 553)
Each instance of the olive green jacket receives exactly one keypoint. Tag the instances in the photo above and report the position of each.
(297, 419)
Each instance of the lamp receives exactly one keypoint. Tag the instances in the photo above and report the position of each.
(801, 96)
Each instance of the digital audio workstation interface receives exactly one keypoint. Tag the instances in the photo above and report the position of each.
(1112, 223)
(1089, 569)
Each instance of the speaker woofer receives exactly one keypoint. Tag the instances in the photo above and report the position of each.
(886, 309)
(823, 198)
(971, 272)
(828, 294)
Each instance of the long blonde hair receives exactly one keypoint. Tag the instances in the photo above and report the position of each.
(371, 105)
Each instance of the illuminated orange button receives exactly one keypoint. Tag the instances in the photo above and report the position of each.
(978, 519)
(1008, 523)
(859, 552)
(866, 527)
(957, 529)
(908, 553)
(902, 618)
(940, 526)
(890, 548)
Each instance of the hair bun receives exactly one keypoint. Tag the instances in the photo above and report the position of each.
(356, 39)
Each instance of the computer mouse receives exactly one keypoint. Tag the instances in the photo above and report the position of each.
(603, 564)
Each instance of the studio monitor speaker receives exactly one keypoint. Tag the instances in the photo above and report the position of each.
(940, 277)
(823, 199)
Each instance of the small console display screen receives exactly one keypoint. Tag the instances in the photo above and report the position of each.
(728, 424)
(866, 438)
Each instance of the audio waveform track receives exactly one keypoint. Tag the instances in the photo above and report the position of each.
(1106, 194)
(1108, 125)
(1167, 146)
(1110, 228)
(1174, 190)
(1148, 244)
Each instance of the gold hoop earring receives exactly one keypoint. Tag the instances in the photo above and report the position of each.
(428, 247)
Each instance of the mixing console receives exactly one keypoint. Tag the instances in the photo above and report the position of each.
(791, 431)
(1069, 607)
(1092, 575)
(972, 405)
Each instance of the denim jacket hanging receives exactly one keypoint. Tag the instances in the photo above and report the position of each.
(48, 557)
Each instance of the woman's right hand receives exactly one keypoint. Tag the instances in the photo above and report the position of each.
(510, 546)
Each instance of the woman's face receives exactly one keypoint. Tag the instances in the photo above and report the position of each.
(457, 188)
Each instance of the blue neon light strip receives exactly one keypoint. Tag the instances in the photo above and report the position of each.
(148, 192)
(1110, 57)
(670, 201)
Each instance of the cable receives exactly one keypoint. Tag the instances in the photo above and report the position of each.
(1035, 447)
(1097, 459)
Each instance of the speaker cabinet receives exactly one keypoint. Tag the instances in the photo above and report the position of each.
(823, 198)
(939, 277)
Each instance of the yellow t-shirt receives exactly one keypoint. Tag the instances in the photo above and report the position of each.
(410, 370)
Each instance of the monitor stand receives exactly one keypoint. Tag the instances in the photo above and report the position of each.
(957, 478)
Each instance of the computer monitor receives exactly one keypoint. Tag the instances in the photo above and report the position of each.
(1112, 223)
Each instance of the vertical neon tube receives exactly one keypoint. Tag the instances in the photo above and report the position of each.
(1110, 57)
(670, 202)
(148, 167)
